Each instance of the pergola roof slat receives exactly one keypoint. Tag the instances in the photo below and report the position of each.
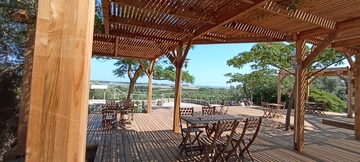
(167, 23)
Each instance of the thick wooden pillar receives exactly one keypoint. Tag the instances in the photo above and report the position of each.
(357, 96)
(350, 94)
(178, 86)
(60, 81)
(25, 90)
(151, 70)
(300, 97)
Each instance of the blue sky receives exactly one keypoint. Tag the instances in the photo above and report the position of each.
(207, 63)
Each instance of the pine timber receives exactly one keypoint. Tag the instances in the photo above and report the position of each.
(150, 76)
(25, 90)
(300, 97)
(60, 81)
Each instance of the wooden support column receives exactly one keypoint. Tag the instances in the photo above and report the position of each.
(151, 70)
(279, 87)
(180, 59)
(357, 96)
(60, 81)
(25, 90)
(178, 86)
(350, 94)
(300, 97)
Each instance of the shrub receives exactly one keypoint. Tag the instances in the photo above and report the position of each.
(335, 104)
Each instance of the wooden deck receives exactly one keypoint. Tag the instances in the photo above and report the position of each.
(150, 138)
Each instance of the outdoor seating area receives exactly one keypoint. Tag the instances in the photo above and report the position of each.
(273, 110)
(150, 138)
(316, 108)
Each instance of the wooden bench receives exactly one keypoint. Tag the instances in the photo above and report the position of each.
(340, 124)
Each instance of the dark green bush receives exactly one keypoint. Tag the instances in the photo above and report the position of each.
(335, 104)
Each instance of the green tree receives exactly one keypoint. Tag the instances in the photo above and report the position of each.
(278, 56)
(134, 69)
(251, 80)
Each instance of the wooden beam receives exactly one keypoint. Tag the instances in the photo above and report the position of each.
(254, 29)
(312, 33)
(178, 89)
(276, 8)
(175, 11)
(348, 58)
(239, 10)
(319, 48)
(244, 39)
(348, 42)
(116, 45)
(60, 81)
(150, 76)
(185, 52)
(127, 34)
(357, 97)
(125, 54)
(350, 94)
(25, 90)
(105, 9)
(340, 26)
(144, 24)
(300, 97)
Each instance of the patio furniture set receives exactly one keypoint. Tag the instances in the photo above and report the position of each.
(273, 110)
(109, 112)
(316, 108)
(221, 141)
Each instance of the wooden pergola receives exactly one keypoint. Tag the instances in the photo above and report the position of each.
(142, 29)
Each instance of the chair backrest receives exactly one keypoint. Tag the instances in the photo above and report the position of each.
(220, 127)
(186, 111)
(207, 110)
(253, 125)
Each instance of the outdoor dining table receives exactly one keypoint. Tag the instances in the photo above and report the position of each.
(195, 120)
(275, 109)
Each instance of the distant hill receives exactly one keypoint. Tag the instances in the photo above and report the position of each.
(154, 85)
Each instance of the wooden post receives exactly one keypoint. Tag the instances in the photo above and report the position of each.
(307, 90)
(300, 96)
(357, 96)
(151, 70)
(60, 81)
(350, 94)
(279, 87)
(178, 86)
(25, 90)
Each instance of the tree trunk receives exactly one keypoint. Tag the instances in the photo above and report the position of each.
(131, 89)
(288, 112)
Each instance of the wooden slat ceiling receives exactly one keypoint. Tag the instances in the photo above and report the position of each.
(146, 29)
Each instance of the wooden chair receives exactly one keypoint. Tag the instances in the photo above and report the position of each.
(216, 144)
(207, 110)
(320, 108)
(109, 115)
(126, 112)
(185, 130)
(252, 124)
(223, 110)
(267, 111)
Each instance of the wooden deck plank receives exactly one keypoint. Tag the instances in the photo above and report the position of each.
(150, 138)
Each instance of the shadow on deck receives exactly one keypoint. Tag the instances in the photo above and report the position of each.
(150, 138)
